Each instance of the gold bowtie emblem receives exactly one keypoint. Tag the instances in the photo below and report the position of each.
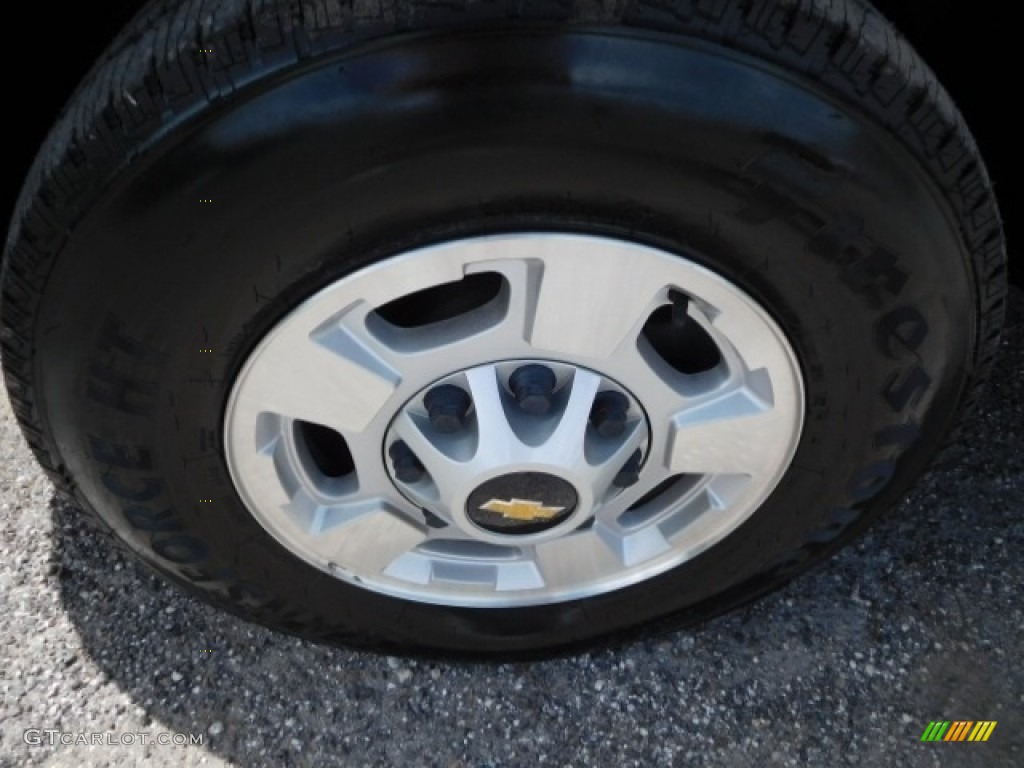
(520, 509)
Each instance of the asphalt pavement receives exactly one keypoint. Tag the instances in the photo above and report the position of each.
(922, 620)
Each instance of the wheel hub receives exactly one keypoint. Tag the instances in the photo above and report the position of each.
(551, 442)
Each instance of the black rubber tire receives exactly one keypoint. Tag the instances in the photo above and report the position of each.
(800, 149)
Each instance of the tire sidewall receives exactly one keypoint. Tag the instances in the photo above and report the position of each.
(796, 197)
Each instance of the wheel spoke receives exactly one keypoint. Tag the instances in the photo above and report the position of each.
(318, 519)
(439, 466)
(371, 542)
(574, 559)
(736, 432)
(631, 548)
(492, 425)
(583, 306)
(466, 566)
(329, 375)
(566, 443)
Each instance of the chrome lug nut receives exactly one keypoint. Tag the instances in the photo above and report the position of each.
(608, 414)
(408, 468)
(630, 471)
(447, 406)
(533, 387)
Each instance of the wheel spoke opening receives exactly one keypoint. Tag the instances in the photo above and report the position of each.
(443, 302)
(667, 493)
(326, 449)
(441, 314)
(680, 340)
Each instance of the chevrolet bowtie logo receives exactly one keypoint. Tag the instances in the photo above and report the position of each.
(520, 509)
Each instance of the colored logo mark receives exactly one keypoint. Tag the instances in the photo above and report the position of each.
(958, 730)
(520, 509)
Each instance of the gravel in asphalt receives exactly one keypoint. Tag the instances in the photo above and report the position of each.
(920, 620)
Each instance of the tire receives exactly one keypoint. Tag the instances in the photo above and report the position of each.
(228, 165)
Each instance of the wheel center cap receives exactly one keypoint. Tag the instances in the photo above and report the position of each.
(521, 503)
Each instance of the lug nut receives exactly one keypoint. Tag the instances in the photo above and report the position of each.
(629, 473)
(447, 406)
(533, 387)
(608, 415)
(407, 467)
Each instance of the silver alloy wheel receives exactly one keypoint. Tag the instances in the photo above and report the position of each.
(691, 455)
